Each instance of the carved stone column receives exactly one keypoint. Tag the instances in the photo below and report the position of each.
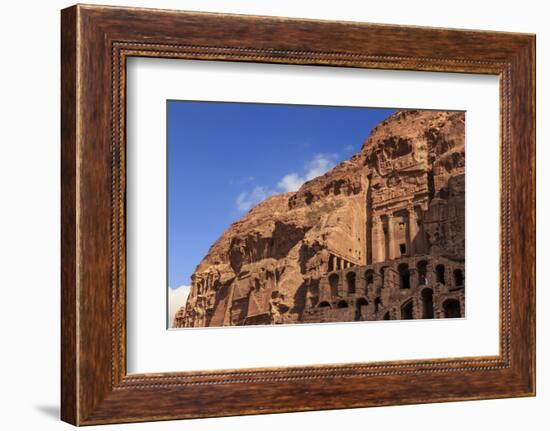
(391, 237)
(377, 241)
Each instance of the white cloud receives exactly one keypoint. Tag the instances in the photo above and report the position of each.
(318, 165)
(177, 298)
(247, 200)
(290, 182)
(315, 167)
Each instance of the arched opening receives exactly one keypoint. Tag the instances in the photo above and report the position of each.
(440, 273)
(404, 276)
(407, 310)
(427, 304)
(369, 276)
(342, 304)
(422, 269)
(459, 277)
(386, 316)
(369, 279)
(360, 310)
(451, 308)
(350, 277)
(333, 281)
(377, 304)
(324, 304)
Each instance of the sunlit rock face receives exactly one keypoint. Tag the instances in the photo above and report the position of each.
(380, 236)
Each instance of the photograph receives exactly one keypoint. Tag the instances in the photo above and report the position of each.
(288, 214)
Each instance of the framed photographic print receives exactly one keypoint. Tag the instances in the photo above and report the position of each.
(327, 237)
(321, 214)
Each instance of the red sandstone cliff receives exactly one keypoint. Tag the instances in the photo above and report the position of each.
(403, 192)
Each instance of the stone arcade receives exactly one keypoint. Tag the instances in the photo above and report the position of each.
(379, 237)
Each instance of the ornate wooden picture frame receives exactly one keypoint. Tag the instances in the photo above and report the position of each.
(96, 41)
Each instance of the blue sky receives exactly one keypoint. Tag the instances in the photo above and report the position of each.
(225, 157)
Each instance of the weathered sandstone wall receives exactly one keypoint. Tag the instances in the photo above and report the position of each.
(401, 195)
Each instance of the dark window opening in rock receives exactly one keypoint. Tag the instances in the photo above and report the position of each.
(443, 194)
(407, 310)
(387, 316)
(440, 273)
(342, 304)
(369, 279)
(333, 281)
(404, 276)
(362, 301)
(360, 310)
(402, 249)
(324, 304)
(422, 268)
(308, 198)
(369, 276)
(427, 304)
(377, 304)
(402, 147)
(330, 263)
(459, 277)
(451, 308)
(351, 282)
(283, 308)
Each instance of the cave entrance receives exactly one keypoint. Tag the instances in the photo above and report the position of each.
(404, 276)
(361, 309)
(333, 281)
(407, 310)
(350, 277)
(427, 304)
(451, 309)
